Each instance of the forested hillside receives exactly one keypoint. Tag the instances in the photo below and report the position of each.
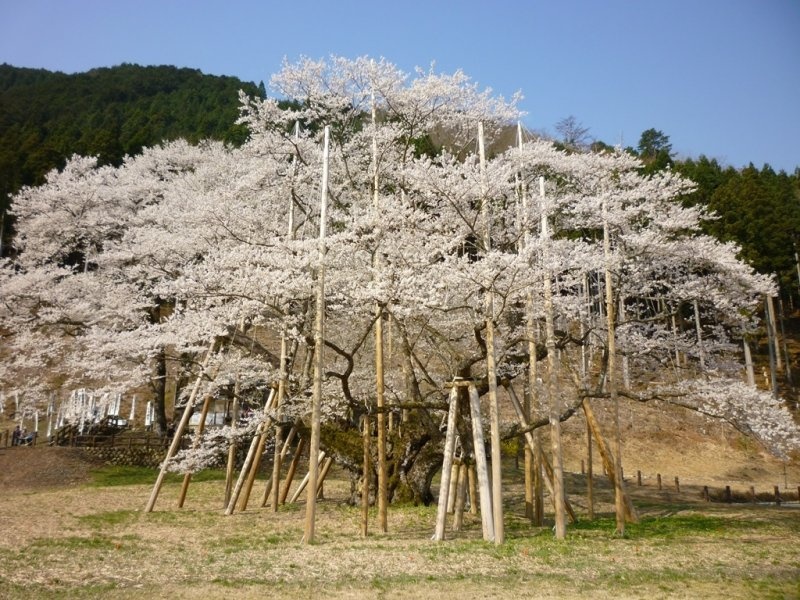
(45, 117)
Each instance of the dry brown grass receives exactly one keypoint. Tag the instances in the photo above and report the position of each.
(83, 541)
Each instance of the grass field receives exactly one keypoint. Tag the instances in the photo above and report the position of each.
(93, 540)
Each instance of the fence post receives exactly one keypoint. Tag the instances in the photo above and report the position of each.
(753, 494)
(777, 496)
(639, 478)
(677, 485)
(658, 479)
(728, 494)
(706, 495)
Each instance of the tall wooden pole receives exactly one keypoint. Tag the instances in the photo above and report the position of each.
(319, 340)
(176, 438)
(280, 451)
(491, 371)
(611, 375)
(534, 495)
(383, 485)
(552, 380)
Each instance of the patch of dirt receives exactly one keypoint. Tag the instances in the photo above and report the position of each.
(38, 467)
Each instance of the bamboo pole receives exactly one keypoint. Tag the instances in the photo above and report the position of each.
(484, 488)
(491, 371)
(447, 465)
(187, 477)
(176, 439)
(319, 337)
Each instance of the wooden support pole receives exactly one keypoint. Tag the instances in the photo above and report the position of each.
(229, 468)
(319, 363)
(609, 461)
(307, 480)
(176, 438)
(451, 494)
(589, 475)
(273, 489)
(752, 494)
(447, 465)
(677, 485)
(491, 371)
(237, 489)
(367, 470)
(472, 489)
(298, 452)
(658, 480)
(262, 441)
(461, 497)
(187, 477)
(326, 467)
(550, 479)
(484, 488)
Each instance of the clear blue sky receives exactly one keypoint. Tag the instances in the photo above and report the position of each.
(719, 77)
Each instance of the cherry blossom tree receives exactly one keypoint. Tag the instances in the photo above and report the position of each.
(125, 275)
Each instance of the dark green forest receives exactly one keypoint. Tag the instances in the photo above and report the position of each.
(45, 117)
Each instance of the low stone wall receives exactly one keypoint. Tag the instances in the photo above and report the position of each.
(129, 457)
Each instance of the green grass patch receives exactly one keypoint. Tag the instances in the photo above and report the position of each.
(113, 518)
(116, 475)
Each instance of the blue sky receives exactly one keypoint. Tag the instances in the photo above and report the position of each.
(719, 77)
